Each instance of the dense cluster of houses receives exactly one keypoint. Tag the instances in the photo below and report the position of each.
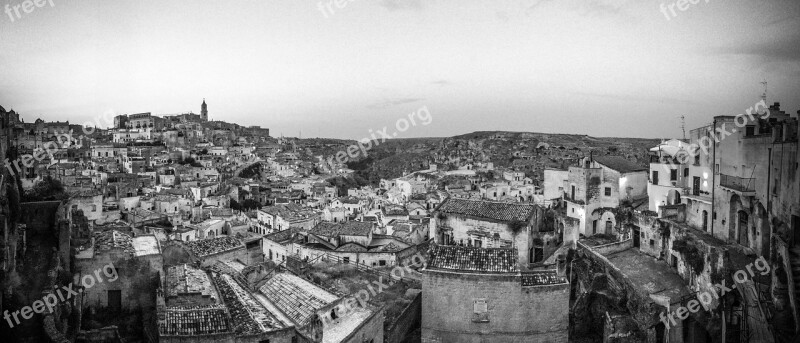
(208, 224)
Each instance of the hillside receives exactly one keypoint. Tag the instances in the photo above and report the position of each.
(528, 151)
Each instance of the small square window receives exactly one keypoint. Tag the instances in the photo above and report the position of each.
(608, 191)
(480, 311)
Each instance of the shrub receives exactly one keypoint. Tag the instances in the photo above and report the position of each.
(516, 226)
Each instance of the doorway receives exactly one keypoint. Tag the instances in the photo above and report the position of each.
(115, 300)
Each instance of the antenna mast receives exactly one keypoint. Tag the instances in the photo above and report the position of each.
(683, 126)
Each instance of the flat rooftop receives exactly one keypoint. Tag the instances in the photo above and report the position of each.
(145, 245)
(649, 277)
(342, 327)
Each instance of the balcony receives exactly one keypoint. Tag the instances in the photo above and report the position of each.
(741, 185)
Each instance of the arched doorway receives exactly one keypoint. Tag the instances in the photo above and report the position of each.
(705, 220)
(743, 218)
(673, 197)
(735, 205)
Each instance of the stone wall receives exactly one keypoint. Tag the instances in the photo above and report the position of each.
(408, 320)
(515, 313)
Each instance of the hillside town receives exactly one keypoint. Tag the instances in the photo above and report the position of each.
(177, 228)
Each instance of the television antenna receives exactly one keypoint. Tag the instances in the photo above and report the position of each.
(683, 126)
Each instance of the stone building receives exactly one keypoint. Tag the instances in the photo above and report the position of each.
(527, 228)
(473, 294)
(601, 183)
(136, 264)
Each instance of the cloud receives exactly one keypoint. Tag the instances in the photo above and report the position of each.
(633, 97)
(441, 83)
(536, 5)
(393, 102)
(595, 8)
(396, 5)
(502, 16)
(777, 49)
(782, 20)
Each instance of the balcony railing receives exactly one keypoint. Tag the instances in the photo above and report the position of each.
(738, 183)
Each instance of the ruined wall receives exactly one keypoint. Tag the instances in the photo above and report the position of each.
(407, 322)
(371, 331)
(230, 255)
(136, 281)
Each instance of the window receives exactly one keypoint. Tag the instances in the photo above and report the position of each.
(685, 172)
(750, 131)
(480, 311)
(697, 160)
(608, 191)
(652, 242)
(538, 254)
(655, 177)
(115, 300)
(382, 262)
(673, 175)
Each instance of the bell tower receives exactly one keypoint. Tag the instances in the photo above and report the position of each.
(204, 111)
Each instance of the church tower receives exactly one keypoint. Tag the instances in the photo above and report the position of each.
(204, 111)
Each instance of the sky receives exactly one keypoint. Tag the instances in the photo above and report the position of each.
(608, 68)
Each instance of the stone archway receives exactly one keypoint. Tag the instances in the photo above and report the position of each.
(673, 197)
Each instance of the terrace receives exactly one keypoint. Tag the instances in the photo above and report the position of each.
(740, 185)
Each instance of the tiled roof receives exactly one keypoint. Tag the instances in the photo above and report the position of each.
(618, 163)
(194, 321)
(391, 247)
(282, 236)
(298, 299)
(499, 211)
(212, 246)
(473, 260)
(351, 247)
(248, 316)
(542, 278)
(394, 210)
(349, 200)
(185, 279)
(351, 228)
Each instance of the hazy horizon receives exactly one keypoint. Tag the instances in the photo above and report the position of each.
(570, 67)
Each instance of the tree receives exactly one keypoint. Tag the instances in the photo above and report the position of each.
(46, 190)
